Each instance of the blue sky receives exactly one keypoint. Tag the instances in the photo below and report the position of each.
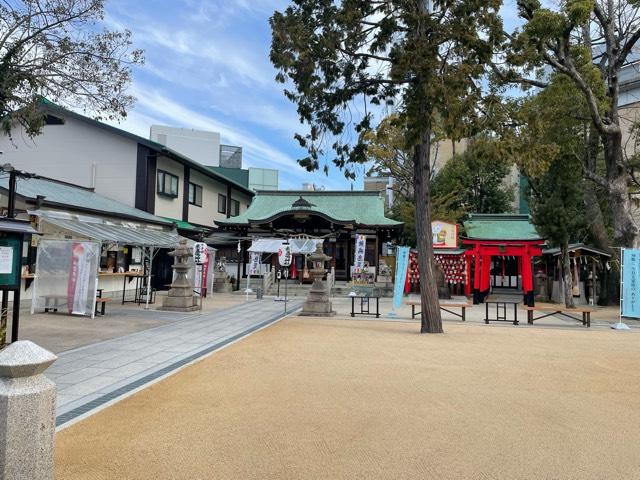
(207, 67)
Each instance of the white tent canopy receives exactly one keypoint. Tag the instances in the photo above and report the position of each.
(299, 246)
(149, 237)
(124, 233)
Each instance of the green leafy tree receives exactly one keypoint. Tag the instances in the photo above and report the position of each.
(55, 49)
(477, 179)
(423, 59)
(588, 42)
(553, 144)
(558, 211)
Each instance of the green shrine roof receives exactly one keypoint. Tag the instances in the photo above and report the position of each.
(503, 226)
(359, 208)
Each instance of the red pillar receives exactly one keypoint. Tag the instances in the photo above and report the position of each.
(477, 273)
(485, 282)
(527, 274)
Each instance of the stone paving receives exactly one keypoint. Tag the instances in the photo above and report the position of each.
(90, 376)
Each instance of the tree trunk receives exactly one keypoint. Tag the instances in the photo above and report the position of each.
(567, 279)
(625, 229)
(431, 321)
(593, 210)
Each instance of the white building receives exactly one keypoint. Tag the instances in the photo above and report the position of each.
(198, 145)
(127, 168)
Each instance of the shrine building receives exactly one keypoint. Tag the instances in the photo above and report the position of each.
(335, 217)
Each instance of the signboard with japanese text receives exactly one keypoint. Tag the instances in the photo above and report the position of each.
(630, 288)
(10, 250)
(6, 259)
(445, 234)
(254, 263)
(358, 258)
(200, 253)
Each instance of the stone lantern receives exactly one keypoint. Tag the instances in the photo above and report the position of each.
(180, 297)
(318, 303)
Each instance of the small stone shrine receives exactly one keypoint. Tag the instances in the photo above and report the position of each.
(180, 297)
(318, 303)
(384, 281)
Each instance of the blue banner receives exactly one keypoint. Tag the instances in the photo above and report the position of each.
(630, 288)
(402, 262)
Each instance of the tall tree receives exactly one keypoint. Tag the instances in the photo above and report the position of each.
(588, 41)
(422, 58)
(56, 49)
(477, 178)
(558, 211)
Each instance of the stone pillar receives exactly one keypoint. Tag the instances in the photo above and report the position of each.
(27, 412)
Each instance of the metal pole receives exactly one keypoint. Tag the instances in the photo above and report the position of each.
(238, 274)
(11, 213)
(11, 207)
(150, 250)
(15, 319)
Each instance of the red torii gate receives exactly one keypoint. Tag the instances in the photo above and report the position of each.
(480, 255)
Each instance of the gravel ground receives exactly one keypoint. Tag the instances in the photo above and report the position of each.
(317, 398)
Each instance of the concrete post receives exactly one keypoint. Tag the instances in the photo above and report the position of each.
(27, 412)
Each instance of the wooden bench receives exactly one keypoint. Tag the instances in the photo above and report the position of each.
(443, 306)
(103, 304)
(560, 310)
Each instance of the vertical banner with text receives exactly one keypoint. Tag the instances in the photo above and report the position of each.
(358, 259)
(79, 278)
(402, 262)
(630, 288)
(254, 263)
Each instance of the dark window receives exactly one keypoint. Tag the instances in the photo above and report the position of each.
(222, 203)
(195, 194)
(53, 120)
(167, 184)
(235, 208)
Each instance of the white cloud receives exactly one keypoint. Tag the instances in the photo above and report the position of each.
(208, 68)
(153, 101)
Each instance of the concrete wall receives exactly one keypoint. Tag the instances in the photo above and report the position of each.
(443, 150)
(80, 153)
(198, 145)
(206, 214)
(168, 206)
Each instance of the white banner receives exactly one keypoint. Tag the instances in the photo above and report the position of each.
(358, 260)
(79, 278)
(284, 255)
(254, 263)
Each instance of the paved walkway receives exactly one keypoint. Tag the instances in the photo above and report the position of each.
(91, 376)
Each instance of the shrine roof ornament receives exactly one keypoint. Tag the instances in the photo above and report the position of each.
(302, 203)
